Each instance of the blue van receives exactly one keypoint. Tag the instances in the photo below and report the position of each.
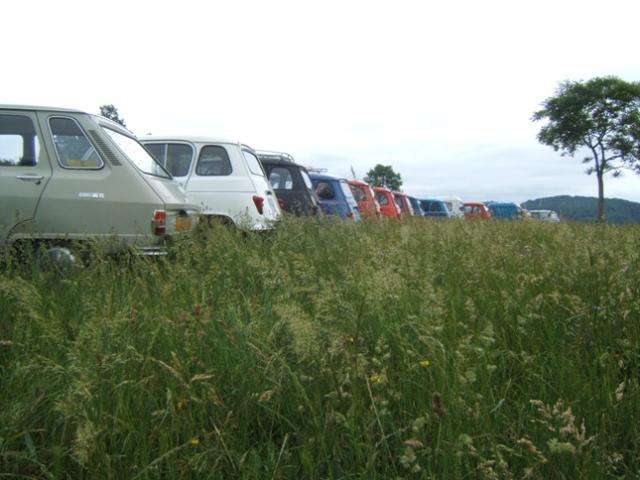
(505, 210)
(432, 207)
(335, 196)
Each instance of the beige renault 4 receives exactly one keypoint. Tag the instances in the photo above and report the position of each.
(68, 176)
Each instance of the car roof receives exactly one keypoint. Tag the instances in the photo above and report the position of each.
(276, 158)
(186, 138)
(383, 189)
(360, 183)
(324, 176)
(431, 200)
(39, 108)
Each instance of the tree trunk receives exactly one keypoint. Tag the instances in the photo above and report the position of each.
(600, 175)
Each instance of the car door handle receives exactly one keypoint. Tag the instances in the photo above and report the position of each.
(31, 177)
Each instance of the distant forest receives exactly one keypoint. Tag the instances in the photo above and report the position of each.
(583, 209)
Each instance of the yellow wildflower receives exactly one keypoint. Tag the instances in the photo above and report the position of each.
(376, 378)
(424, 363)
(194, 441)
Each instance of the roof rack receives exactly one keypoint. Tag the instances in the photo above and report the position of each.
(317, 170)
(269, 155)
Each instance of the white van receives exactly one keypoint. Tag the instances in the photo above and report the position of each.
(68, 177)
(455, 205)
(225, 178)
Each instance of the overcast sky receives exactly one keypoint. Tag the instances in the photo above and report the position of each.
(442, 91)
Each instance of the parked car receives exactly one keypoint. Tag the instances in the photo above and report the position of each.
(434, 208)
(403, 203)
(335, 196)
(545, 215)
(67, 177)
(291, 183)
(476, 211)
(365, 196)
(225, 177)
(387, 202)
(505, 210)
(455, 205)
(415, 205)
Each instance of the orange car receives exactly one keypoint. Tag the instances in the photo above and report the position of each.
(404, 204)
(364, 195)
(476, 211)
(387, 202)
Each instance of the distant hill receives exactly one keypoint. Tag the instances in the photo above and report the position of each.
(584, 209)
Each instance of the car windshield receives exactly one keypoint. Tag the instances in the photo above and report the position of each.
(346, 190)
(140, 157)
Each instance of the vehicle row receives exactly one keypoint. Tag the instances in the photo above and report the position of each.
(67, 176)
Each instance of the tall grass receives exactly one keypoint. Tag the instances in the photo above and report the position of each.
(331, 350)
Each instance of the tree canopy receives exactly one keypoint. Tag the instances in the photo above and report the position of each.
(111, 112)
(384, 176)
(601, 115)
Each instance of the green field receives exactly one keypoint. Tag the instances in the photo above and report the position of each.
(331, 350)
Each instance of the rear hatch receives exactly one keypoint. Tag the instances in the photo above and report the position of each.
(180, 215)
(265, 199)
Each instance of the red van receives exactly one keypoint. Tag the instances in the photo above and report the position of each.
(364, 195)
(476, 211)
(387, 202)
(404, 204)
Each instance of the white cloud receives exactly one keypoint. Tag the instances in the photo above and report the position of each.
(442, 91)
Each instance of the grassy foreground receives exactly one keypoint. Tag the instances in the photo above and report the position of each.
(415, 350)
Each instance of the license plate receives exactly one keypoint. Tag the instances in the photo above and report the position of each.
(183, 223)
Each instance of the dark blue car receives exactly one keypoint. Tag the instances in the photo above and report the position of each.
(335, 195)
(505, 210)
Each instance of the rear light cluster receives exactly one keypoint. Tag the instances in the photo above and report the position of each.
(281, 203)
(259, 203)
(159, 223)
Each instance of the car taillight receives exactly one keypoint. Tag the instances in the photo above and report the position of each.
(281, 203)
(159, 224)
(259, 202)
(350, 215)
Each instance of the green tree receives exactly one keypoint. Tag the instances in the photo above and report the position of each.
(601, 115)
(384, 176)
(111, 112)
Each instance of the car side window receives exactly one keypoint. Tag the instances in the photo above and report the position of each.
(325, 191)
(213, 161)
(382, 199)
(72, 146)
(175, 157)
(280, 178)
(435, 207)
(19, 144)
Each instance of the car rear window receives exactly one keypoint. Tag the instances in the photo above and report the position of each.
(358, 193)
(19, 144)
(73, 148)
(175, 157)
(382, 198)
(325, 191)
(280, 178)
(213, 161)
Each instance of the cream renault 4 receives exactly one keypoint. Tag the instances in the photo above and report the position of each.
(68, 176)
(224, 177)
